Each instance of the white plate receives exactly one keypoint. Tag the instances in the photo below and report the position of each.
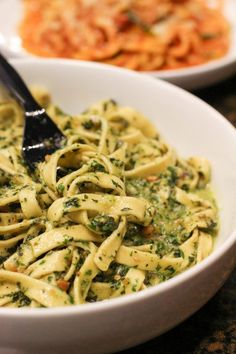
(189, 78)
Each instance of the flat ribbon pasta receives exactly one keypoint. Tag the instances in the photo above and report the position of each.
(112, 212)
(143, 35)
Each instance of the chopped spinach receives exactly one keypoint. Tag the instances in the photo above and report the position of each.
(103, 224)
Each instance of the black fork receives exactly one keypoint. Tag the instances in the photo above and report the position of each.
(41, 135)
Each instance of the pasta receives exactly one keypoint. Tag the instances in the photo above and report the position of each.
(143, 35)
(112, 212)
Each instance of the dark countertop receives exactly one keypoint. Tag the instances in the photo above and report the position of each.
(213, 328)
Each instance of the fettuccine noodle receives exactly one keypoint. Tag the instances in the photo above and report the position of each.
(112, 212)
(143, 35)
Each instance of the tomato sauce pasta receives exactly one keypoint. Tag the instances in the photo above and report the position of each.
(141, 35)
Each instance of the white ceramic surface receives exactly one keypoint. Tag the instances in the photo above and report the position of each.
(194, 128)
(189, 78)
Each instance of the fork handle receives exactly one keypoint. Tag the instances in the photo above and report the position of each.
(16, 85)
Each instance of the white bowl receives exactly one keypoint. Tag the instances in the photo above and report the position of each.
(194, 128)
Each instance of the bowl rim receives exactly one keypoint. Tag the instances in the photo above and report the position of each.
(106, 305)
(196, 70)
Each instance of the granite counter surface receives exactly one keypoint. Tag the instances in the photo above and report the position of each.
(213, 328)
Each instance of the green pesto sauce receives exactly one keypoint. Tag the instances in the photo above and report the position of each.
(206, 194)
(170, 217)
(168, 227)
